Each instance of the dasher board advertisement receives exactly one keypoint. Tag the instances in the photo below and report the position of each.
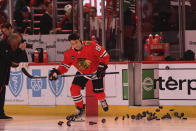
(177, 84)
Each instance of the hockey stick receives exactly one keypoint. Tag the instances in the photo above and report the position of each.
(30, 76)
(107, 73)
(39, 77)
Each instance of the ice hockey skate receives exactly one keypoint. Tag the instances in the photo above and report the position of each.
(104, 105)
(78, 116)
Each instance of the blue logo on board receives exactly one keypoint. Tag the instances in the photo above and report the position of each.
(36, 84)
(57, 86)
(16, 82)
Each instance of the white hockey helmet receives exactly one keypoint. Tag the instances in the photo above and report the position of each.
(67, 7)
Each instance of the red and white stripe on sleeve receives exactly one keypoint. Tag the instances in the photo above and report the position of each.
(102, 54)
(65, 64)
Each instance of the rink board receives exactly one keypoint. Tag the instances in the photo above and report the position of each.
(42, 92)
(42, 97)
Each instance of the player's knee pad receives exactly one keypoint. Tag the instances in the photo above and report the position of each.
(100, 96)
(75, 90)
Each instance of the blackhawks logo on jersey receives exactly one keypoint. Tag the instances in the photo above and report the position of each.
(88, 43)
(83, 63)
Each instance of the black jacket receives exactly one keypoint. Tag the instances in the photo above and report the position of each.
(46, 24)
(5, 62)
(20, 56)
(6, 57)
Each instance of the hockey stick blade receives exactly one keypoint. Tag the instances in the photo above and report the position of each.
(30, 76)
(107, 73)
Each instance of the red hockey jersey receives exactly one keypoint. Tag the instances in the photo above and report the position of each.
(86, 60)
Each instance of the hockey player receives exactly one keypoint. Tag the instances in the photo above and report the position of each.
(87, 57)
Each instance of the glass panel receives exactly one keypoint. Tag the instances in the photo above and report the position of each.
(190, 10)
(160, 17)
(93, 24)
(112, 26)
(130, 38)
(4, 14)
(75, 12)
(86, 14)
(64, 16)
(92, 20)
(190, 29)
(27, 16)
(54, 44)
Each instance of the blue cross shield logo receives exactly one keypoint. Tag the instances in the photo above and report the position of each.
(56, 86)
(36, 84)
(16, 82)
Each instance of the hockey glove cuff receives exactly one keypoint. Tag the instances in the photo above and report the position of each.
(101, 70)
(53, 75)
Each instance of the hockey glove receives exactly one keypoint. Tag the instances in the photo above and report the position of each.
(53, 75)
(101, 70)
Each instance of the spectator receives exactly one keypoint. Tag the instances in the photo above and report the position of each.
(21, 3)
(86, 9)
(95, 23)
(23, 20)
(3, 16)
(46, 20)
(67, 21)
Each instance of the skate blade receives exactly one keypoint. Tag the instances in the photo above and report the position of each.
(81, 120)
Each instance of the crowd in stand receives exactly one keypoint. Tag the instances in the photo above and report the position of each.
(24, 22)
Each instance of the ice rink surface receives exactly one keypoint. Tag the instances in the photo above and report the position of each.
(50, 123)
